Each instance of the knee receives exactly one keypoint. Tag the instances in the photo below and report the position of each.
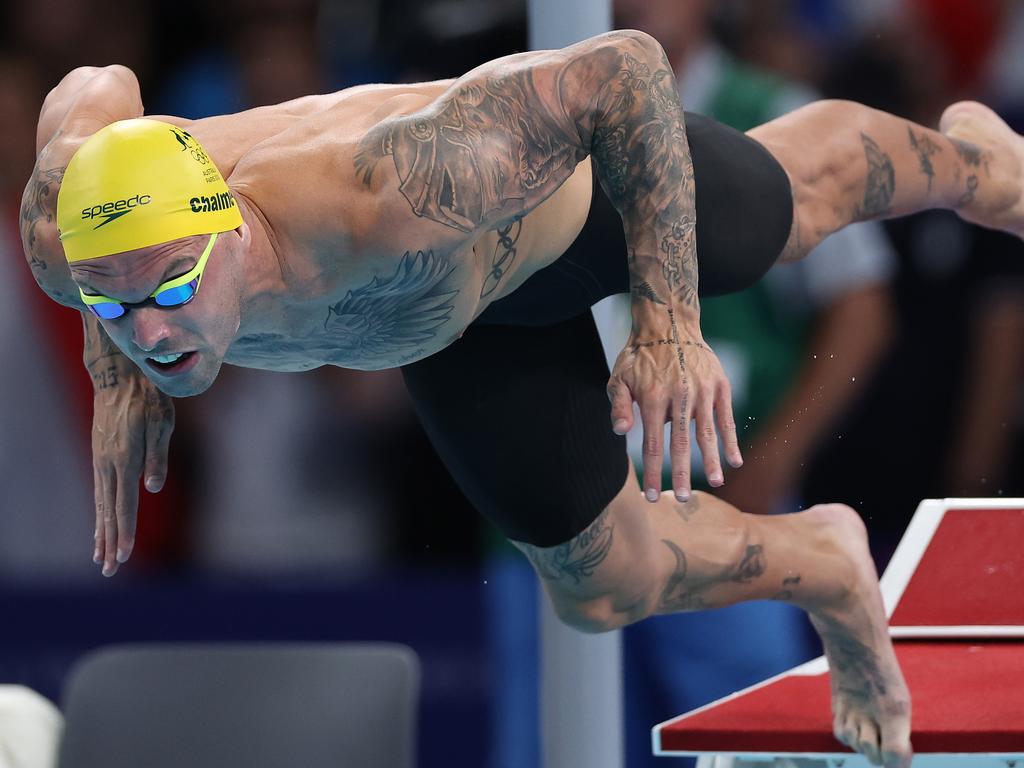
(604, 614)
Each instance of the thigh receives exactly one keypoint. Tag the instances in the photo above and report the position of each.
(521, 419)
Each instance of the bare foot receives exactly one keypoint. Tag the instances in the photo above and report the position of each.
(992, 156)
(870, 700)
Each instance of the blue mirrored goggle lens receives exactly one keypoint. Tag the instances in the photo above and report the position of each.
(107, 310)
(175, 297)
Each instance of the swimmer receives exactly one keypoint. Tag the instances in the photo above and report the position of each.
(438, 227)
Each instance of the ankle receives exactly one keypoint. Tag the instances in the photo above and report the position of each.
(838, 536)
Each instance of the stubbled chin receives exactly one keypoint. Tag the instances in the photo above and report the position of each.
(195, 382)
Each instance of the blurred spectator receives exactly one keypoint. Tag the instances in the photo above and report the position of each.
(45, 527)
(64, 34)
(947, 398)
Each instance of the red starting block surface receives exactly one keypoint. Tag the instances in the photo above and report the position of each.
(954, 592)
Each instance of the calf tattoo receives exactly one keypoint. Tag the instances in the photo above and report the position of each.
(880, 183)
(788, 584)
(685, 591)
(925, 148)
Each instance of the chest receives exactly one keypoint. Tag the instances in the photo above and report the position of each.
(403, 313)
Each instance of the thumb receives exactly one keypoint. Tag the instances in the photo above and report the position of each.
(159, 427)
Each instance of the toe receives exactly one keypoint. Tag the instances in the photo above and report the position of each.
(895, 742)
(868, 741)
(957, 112)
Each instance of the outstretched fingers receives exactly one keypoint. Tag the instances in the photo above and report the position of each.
(727, 424)
(652, 412)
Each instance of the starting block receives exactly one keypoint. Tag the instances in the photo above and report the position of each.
(954, 594)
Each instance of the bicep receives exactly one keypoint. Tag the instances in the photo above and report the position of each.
(488, 150)
(505, 136)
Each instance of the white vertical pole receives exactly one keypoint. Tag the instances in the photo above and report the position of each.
(581, 675)
(558, 23)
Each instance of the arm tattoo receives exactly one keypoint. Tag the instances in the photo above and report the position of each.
(39, 203)
(505, 138)
(503, 256)
(663, 342)
(644, 290)
(103, 360)
(579, 557)
(880, 183)
(925, 148)
(485, 152)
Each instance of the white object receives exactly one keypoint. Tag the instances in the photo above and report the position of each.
(30, 729)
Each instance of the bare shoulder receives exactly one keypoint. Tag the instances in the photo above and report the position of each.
(306, 179)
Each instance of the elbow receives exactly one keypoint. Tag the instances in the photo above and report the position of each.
(644, 46)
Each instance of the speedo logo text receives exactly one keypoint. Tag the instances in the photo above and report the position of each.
(114, 209)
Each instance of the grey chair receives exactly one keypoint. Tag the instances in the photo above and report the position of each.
(242, 706)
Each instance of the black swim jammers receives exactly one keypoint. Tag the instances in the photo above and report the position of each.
(517, 408)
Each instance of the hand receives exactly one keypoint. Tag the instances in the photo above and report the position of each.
(674, 377)
(131, 430)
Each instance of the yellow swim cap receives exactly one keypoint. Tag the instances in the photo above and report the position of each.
(137, 183)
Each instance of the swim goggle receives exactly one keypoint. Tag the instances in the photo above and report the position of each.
(176, 292)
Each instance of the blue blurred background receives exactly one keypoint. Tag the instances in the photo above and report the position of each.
(311, 507)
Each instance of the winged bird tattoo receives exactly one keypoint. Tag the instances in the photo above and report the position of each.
(392, 317)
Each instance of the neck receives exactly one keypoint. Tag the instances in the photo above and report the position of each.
(264, 280)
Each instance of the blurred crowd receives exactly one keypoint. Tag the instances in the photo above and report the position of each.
(884, 369)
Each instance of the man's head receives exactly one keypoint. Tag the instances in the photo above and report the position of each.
(145, 220)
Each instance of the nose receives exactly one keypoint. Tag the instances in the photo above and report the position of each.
(149, 328)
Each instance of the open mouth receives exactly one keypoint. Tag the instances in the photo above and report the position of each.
(172, 365)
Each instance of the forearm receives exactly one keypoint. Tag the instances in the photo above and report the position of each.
(642, 158)
(107, 365)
